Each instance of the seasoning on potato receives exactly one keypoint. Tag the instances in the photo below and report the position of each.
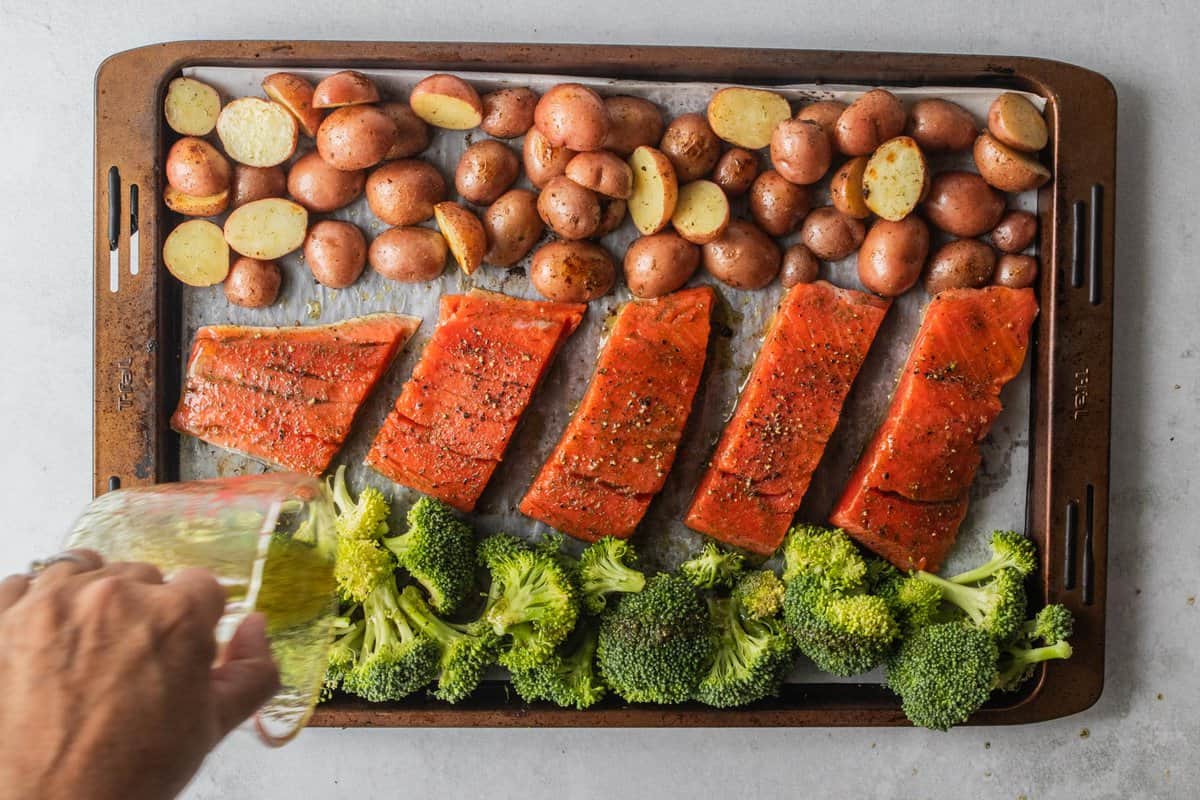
(319, 187)
(800, 151)
(191, 107)
(830, 234)
(252, 283)
(256, 183)
(895, 178)
(267, 229)
(960, 264)
(404, 192)
(513, 227)
(447, 101)
(542, 160)
(1016, 122)
(257, 132)
(486, 170)
(186, 204)
(345, 88)
(602, 172)
(892, 255)
(1015, 231)
(743, 257)
(655, 190)
(196, 168)
(464, 235)
(777, 204)
(746, 117)
(612, 214)
(355, 137)
(409, 255)
(1007, 169)
(573, 116)
(701, 212)
(412, 134)
(825, 113)
(568, 209)
(196, 253)
(869, 122)
(962, 204)
(735, 171)
(632, 122)
(572, 272)
(508, 113)
(691, 146)
(799, 266)
(659, 264)
(1016, 271)
(335, 252)
(846, 188)
(940, 126)
(296, 95)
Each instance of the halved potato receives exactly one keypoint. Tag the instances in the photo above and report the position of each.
(747, 117)
(655, 190)
(1007, 169)
(895, 179)
(846, 188)
(192, 206)
(464, 233)
(447, 101)
(345, 88)
(296, 95)
(191, 107)
(267, 229)
(257, 132)
(702, 212)
(1016, 122)
(196, 253)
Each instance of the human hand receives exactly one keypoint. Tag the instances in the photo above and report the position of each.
(110, 690)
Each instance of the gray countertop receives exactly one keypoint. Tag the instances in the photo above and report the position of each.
(1138, 741)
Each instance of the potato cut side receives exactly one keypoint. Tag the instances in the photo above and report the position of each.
(701, 213)
(464, 233)
(196, 253)
(747, 117)
(447, 101)
(895, 178)
(296, 95)
(257, 132)
(191, 107)
(267, 229)
(655, 190)
(192, 206)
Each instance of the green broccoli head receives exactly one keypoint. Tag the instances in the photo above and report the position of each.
(844, 634)
(751, 659)
(655, 645)
(438, 550)
(496, 546)
(759, 595)
(533, 600)
(1052, 626)
(943, 673)
(1010, 550)
(997, 607)
(359, 566)
(568, 677)
(464, 651)
(395, 660)
(606, 567)
(824, 552)
(713, 567)
(914, 603)
(364, 518)
(343, 653)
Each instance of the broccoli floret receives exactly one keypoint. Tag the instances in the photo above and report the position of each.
(751, 659)
(364, 518)
(343, 653)
(496, 546)
(360, 565)
(759, 595)
(1010, 550)
(533, 600)
(568, 678)
(997, 607)
(713, 567)
(1052, 626)
(825, 552)
(606, 567)
(438, 550)
(655, 645)
(914, 603)
(845, 634)
(464, 651)
(395, 659)
(943, 673)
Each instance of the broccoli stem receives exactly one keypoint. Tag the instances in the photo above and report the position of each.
(984, 571)
(968, 598)
(1016, 660)
(521, 602)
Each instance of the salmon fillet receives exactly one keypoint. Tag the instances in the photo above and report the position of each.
(785, 416)
(455, 416)
(286, 396)
(617, 449)
(908, 493)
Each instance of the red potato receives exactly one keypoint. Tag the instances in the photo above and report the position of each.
(743, 257)
(960, 264)
(345, 88)
(825, 113)
(701, 212)
(612, 214)
(602, 172)
(1016, 271)
(895, 179)
(513, 227)
(508, 113)
(568, 209)
(659, 264)
(257, 132)
(542, 160)
(846, 188)
(800, 151)
(573, 116)
(256, 183)
(335, 252)
(962, 204)
(1016, 122)
(317, 186)
(266, 229)
(692, 147)
(296, 95)
(572, 272)
(252, 283)
(196, 253)
(655, 190)
(1007, 169)
(735, 171)
(412, 134)
(869, 122)
(409, 255)
(777, 204)
(447, 101)
(799, 266)
(940, 126)
(191, 107)
(830, 234)
(892, 255)
(1015, 231)
(632, 123)
(464, 235)
(746, 117)
(405, 192)
(196, 168)
(486, 170)
(191, 206)
(355, 137)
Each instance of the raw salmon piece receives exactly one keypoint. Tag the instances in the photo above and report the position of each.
(287, 396)
(785, 416)
(620, 444)
(908, 493)
(455, 416)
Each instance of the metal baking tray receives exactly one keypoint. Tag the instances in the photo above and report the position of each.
(144, 323)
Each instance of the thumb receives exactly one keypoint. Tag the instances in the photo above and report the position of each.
(247, 676)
